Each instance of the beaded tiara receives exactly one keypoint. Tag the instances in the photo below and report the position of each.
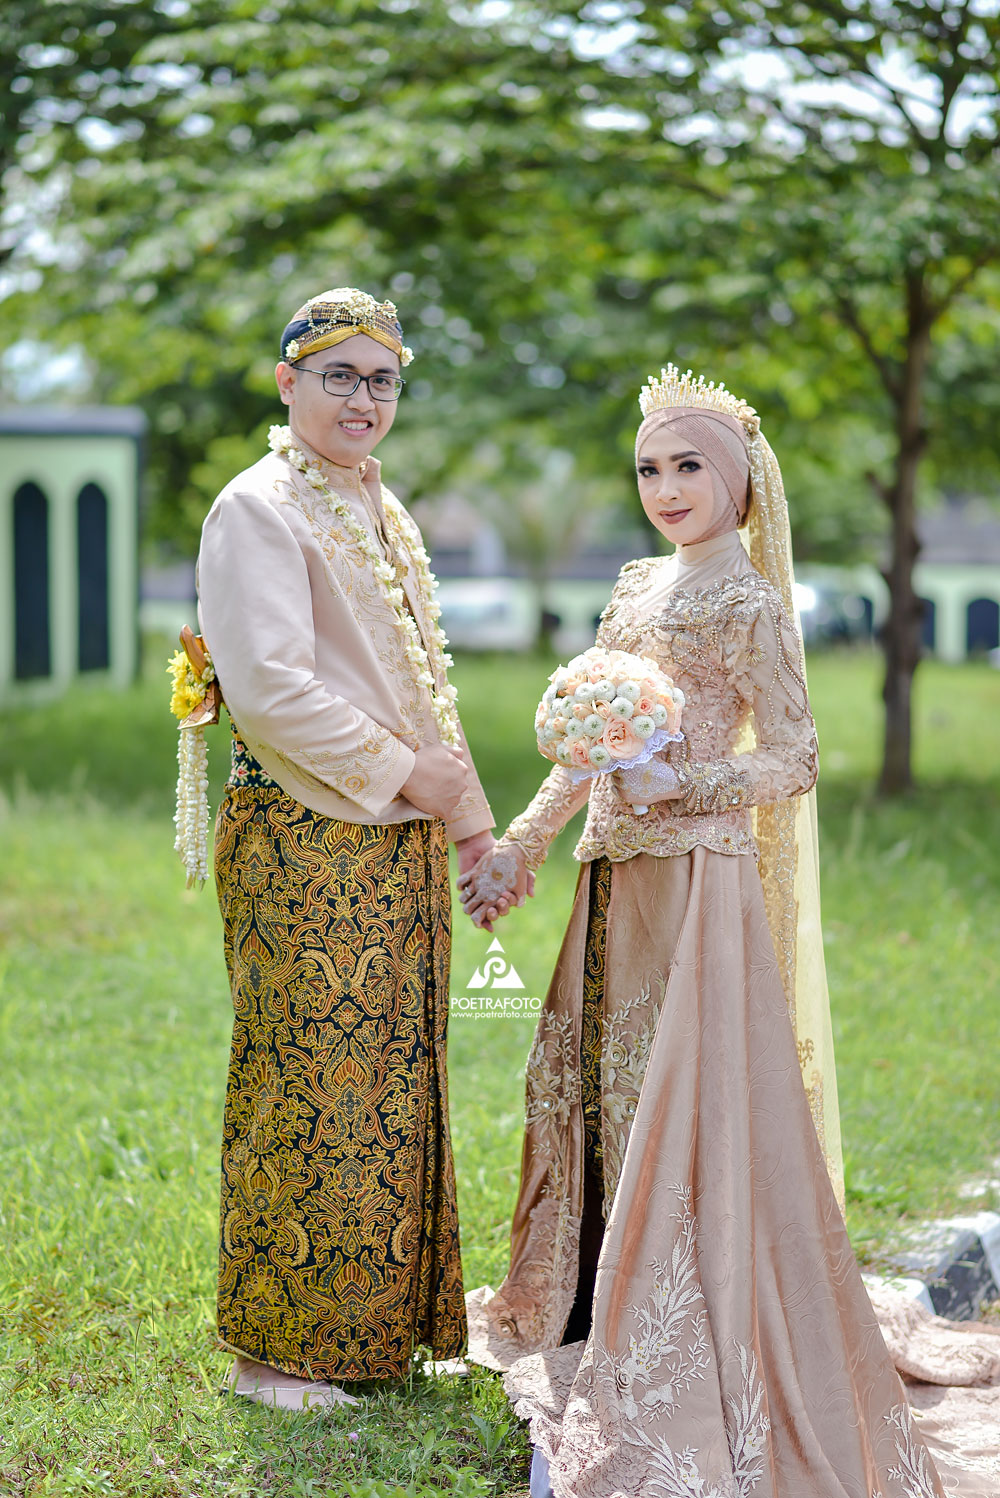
(332, 316)
(671, 388)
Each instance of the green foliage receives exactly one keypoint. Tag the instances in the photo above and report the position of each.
(560, 197)
(800, 199)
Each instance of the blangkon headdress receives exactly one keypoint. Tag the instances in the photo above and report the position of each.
(332, 316)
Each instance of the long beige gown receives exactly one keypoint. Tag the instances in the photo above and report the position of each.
(670, 1142)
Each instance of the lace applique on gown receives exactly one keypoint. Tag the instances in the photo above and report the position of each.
(733, 1349)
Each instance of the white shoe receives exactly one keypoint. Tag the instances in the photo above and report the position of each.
(267, 1386)
(443, 1367)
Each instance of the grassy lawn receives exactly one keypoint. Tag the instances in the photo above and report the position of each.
(114, 1025)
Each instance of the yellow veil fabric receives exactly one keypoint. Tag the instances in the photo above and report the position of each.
(787, 835)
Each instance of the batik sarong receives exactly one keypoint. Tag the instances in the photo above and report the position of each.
(339, 1232)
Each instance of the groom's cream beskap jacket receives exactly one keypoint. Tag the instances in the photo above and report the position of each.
(307, 649)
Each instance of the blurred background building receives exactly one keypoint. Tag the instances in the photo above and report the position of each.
(69, 507)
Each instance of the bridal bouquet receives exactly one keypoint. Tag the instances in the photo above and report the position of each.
(607, 710)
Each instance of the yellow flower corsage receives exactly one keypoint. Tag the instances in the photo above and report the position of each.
(188, 687)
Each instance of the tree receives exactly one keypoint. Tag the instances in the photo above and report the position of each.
(266, 153)
(543, 507)
(860, 144)
(799, 196)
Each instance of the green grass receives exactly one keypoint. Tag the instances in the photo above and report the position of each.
(114, 1026)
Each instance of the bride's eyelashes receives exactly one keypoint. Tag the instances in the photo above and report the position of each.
(650, 470)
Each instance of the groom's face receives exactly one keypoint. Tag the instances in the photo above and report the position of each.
(343, 428)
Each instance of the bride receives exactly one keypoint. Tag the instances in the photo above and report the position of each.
(683, 1315)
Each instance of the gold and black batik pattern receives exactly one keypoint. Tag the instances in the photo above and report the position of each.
(339, 1247)
(592, 1026)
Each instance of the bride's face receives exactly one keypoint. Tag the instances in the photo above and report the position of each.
(675, 486)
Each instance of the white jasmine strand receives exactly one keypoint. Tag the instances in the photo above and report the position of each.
(191, 816)
(429, 665)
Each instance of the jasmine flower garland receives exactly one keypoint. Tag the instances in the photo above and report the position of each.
(429, 665)
(191, 817)
(190, 686)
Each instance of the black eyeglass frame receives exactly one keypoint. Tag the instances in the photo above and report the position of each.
(304, 369)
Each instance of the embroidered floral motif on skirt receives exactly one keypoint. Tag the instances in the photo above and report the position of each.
(339, 1247)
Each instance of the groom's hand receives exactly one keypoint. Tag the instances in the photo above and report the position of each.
(438, 780)
(471, 849)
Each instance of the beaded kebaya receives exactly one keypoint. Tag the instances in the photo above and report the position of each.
(785, 831)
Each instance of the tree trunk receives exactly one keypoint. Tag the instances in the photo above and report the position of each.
(544, 628)
(901, 640)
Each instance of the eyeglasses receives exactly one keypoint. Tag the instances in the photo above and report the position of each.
(381, 387)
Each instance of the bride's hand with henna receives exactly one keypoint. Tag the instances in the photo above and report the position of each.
(500, 880)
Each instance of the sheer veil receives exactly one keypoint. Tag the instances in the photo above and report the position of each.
(787, 834)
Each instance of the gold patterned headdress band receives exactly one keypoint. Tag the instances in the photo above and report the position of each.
(329, 318)
(671, 388)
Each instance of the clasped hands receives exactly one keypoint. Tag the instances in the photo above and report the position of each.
(501, 879)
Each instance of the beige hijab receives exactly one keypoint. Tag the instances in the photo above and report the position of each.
(722, 441)
(718, 551)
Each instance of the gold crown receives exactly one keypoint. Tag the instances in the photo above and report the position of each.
(338, 314)
(671, 388)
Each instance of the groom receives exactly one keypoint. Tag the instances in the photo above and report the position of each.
(339, 1233)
